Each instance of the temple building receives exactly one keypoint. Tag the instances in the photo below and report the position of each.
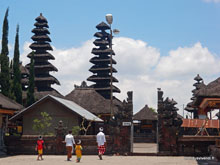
(102, 63)
(88, 98)
(8, 108)
(145, 125)
(42, 66)
(208, 99)
(59, 109)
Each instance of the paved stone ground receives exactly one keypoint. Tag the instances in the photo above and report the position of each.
(145, 147)
(93, 160)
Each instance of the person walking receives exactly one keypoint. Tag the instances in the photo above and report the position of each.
(101, 142)
(78, 151)
(39, 147)
(70, 142)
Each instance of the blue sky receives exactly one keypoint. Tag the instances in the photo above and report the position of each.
(162, 43)
(165, 24)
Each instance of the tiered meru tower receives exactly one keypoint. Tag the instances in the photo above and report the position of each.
(43, 80)
(102, 63)
(190, 106)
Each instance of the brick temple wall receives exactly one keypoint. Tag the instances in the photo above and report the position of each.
(26, 144)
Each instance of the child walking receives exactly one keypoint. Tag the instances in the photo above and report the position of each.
(39, 147)
(78, 150)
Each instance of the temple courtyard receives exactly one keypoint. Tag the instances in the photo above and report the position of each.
(107, 160)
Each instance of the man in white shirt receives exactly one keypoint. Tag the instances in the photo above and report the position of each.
(101, 141)
(70, 142)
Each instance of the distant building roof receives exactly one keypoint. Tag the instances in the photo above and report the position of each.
(40, 94)
(210, 90)
(145, 114)
(7, 103)
(68, 104)
(88, 98)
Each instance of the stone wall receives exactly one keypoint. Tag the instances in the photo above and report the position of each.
(26, 144)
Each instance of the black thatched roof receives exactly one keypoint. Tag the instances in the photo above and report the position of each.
(40, 31)
(96, 60)
(45, 55)
(210, 90)
(198, 78)
(44, 66)
(99, 42)
(94, 69)
(106, 51)
(89, 99)
(101, 34)
(44, 46)
(41, 19)
(102, 26)
(41, 38)
(6, 103)
(145, 114)
(96, 78)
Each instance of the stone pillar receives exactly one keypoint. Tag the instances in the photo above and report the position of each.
(123, 119)
(168, 126)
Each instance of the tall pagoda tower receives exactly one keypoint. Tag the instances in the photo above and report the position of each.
(40, 47)
(190, 106)
(102, 63)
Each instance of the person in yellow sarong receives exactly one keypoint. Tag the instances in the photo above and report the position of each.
(78, 151)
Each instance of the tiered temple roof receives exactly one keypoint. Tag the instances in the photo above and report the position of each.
(43, 80)
(24, 76)
(101, 69)
(212, 90)
(198, 85)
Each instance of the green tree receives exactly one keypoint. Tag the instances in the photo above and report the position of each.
(75, 130)
(152, 109)
(31, 85)
(5, 75)
(42, 124)
(16, 88)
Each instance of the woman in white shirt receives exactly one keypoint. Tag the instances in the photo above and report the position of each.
(70, 142)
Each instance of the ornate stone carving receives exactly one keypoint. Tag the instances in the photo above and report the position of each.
(168, 125)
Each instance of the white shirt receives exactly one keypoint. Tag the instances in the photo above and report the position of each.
(100, 138)
(69, 139)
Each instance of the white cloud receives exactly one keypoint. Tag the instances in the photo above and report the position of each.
(141, 69)
(215, 1)
(187, 62)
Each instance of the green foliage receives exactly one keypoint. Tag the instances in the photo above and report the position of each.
(152, 109)
(41, 125)
(16, 85)
(5, 74)
(31, 85)
(75, 130)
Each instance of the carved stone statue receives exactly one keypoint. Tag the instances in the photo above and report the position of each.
(60, 135)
